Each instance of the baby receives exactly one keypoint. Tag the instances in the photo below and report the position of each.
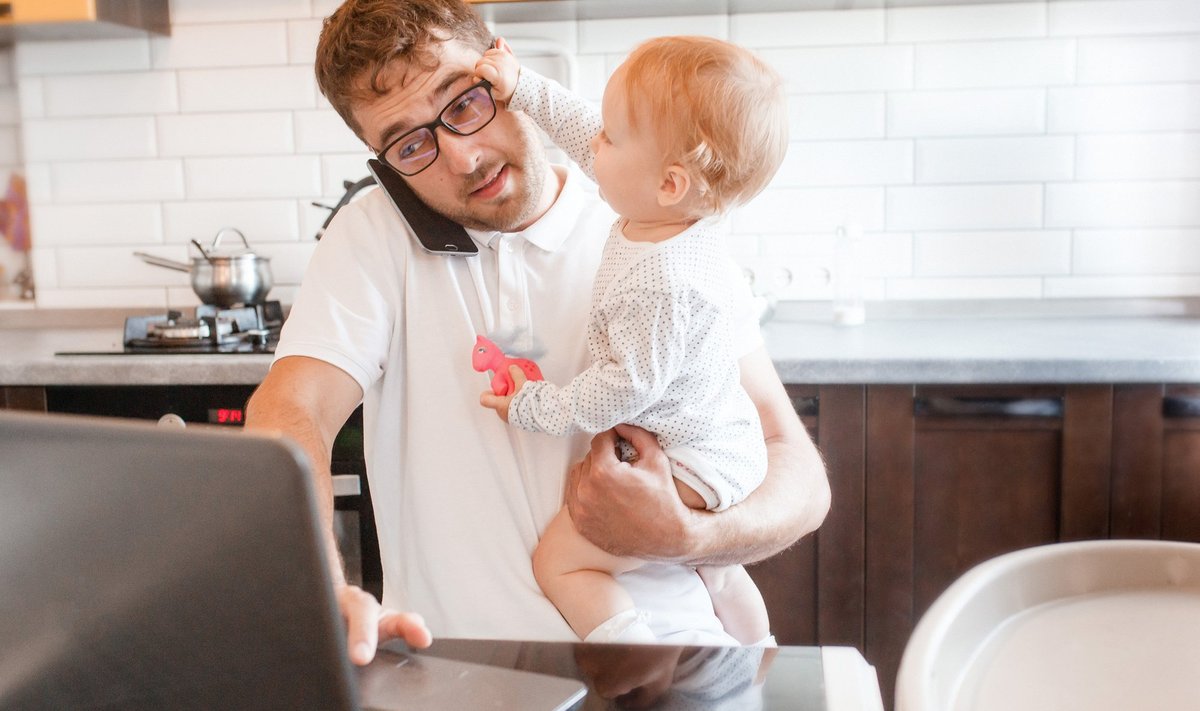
(689, 128)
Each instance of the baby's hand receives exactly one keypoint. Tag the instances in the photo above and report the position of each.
(500, 403)
(500, 67)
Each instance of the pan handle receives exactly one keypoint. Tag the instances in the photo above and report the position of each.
(163, 262)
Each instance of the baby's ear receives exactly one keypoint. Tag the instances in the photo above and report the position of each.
(676, 184)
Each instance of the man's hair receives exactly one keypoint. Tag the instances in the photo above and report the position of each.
(361, 38)
(716, 108)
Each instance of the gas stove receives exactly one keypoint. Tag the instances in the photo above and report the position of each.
(241, 329)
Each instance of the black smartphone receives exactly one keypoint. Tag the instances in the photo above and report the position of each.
(435, 232)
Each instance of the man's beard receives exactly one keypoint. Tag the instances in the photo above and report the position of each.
(521, 208)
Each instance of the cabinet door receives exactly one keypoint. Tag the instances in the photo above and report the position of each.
(814, 590)
(1156, 462)
(22, 398)
(959, 475)
(1181, 463)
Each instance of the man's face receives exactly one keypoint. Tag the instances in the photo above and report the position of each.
(494, 179)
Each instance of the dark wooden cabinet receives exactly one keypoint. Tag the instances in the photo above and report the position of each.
(929, 481)
(22, 398)
(957, 475)
(1156, 462)
(814, 590)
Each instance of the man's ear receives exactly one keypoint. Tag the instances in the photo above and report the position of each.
(675, 186)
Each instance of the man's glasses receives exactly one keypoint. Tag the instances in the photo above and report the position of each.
(467, 113)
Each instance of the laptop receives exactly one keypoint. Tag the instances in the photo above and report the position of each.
(147, 568)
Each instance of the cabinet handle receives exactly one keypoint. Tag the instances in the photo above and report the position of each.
(1181, 406)
(806, 405)
(988, 407)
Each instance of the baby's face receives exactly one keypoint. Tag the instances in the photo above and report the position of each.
(629, 162)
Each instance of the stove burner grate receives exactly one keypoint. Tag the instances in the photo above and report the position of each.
(246, 329)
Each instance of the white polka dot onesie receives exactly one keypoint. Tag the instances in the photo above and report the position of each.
(660, 337)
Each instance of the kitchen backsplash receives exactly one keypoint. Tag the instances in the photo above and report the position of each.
(1030, 150)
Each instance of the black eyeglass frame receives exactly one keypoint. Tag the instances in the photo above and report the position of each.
(433, 126)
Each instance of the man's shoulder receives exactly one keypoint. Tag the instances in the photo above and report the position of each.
(368, 223)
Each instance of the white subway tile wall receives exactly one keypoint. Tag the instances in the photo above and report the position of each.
(1026, 150)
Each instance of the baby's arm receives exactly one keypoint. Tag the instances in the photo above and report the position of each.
(570, 121)
(623, 385)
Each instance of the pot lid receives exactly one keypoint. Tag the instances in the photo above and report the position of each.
(217, 251)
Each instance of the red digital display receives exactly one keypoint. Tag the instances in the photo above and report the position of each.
(226, 416)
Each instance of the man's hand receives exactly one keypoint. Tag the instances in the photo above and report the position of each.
(630, 509)
(368, 624)
(500, 67)
(500, 403)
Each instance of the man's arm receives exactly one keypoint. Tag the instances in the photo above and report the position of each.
(309, 401)
(633, 509)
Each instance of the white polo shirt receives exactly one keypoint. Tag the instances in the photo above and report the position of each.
(460, 497)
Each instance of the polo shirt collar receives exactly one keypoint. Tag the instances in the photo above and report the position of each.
(549, 232)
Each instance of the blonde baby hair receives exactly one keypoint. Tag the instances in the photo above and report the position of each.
(715, 108)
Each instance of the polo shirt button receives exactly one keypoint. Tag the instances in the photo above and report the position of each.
(513, 304)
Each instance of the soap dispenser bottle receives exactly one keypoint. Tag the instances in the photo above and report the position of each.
(848, 307)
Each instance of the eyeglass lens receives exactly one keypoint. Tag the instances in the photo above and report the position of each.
(468, 113)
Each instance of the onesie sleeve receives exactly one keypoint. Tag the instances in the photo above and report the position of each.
(646, 334)
(569, 120)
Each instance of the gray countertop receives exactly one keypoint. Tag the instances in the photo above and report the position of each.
(988, 350)
(806, 348)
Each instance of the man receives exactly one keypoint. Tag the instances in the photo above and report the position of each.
(460, 498)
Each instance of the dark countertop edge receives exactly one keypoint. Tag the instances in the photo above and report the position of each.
(250, 370)
(983, 372)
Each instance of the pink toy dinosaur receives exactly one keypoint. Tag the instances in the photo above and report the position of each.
(488, 356)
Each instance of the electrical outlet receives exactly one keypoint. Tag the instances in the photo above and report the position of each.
(787, 281)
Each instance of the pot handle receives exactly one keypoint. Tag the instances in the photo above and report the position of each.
(163, 262)
(223, 230)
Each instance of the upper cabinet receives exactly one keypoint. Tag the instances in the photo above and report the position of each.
(79, 19)
(551, 10)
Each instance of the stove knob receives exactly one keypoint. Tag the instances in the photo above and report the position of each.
(171, 420)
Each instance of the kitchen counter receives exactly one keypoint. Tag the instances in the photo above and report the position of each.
(806, 348)
(988, 350)
(27, 357)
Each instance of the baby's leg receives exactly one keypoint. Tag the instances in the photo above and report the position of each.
(577, 576)
(737, 602)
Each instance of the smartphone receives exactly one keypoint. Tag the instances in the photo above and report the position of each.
(435, 232)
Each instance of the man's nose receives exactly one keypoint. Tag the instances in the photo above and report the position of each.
(461, 153)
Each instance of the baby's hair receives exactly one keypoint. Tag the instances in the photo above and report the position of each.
(716, 108)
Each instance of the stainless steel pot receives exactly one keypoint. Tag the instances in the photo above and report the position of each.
(221, 277)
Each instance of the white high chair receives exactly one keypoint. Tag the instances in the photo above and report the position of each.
(1093, 625)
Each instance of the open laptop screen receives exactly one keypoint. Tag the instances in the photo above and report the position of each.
(146, 568)
(149, 568)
